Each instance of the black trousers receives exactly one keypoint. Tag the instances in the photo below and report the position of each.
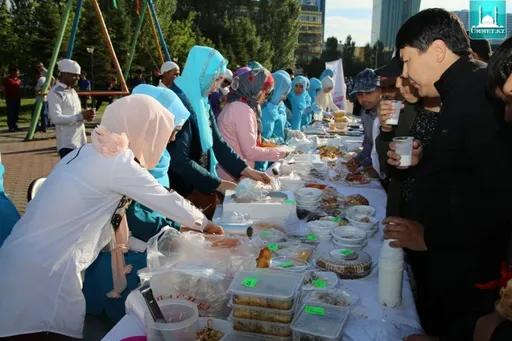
(64, 151)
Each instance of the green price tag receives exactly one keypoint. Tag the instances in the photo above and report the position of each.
(311, 237)
(249, 282)
(346, 252)
(289, 202)
(287, 265)
(265, 234)
(314, 310)
(319, 283)
(336, 220)
(272, 247)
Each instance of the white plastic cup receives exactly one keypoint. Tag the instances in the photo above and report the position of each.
(403, 147)
(393, 120)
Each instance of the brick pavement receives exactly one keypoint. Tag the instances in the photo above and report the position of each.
(26, 161)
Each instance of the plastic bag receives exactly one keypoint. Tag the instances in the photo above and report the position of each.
(250, 190)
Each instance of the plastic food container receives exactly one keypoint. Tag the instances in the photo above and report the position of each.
(310, 239)
(349, 235)
(346, 263)
(351, 247)
(360, 209)
(181, 316)
(224, 326)
(262, 314)
(268, 236)
(261, 327)
(266, 288)
(319, 322)
(337, 297)
(290, 264)
(320, 280)
(240, 336)
(295, 250)
(363, 221)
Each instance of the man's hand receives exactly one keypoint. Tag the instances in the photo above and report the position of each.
(394, 158)
(89, 114)
(386, 110)
(408, 233)
(226, 186)
(417, 337)
(212, 228)
(255, 175)
(352, 165)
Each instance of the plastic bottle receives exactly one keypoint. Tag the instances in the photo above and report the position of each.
(391, 270)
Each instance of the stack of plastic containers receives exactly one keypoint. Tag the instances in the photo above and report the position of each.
(319, 322)
(264, 301)
(391, 270)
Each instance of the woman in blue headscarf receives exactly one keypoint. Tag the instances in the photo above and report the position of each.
(271, 114)
(327, 73)
(143, 223)
(199, 144)
(314, 90)
(9, 215)
(298, 101)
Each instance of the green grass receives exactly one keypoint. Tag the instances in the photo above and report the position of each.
(27, 105)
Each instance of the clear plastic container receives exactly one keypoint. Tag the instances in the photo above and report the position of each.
(295, 250)
(241, 336)
(263, 314)
(181, 316)
(284, 263)
(265, 288)
(261, 327)
(320, 280)
(346, 263)
(342, 298)
(319, 322)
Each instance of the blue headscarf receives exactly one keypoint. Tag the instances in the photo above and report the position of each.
(327, 72)
(308, 98)
(204, 65)
(9, 216)
(270, 110)
(298, 102)
(314, 89)
(169, 100)
(255, 65)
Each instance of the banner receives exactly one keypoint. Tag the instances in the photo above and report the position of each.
(340, 88)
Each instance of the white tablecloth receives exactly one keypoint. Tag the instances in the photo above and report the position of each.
(369, 321)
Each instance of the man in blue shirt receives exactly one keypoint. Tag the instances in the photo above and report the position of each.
(84, 85)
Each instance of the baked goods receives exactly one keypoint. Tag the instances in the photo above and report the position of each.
(330, 152)
(347, 264)
(357, 178)
(317, 186)
(262, 327)
(357, 199)
(263, 314)
(294, 250)
(268, 144)
(263, 260)
(209, 334)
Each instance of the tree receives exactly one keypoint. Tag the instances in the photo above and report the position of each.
(378, 52)
(348, 56)
(315, 68)
(45, 31)
(23, 12)
(278, 23)
(7, 37)
(331, 51)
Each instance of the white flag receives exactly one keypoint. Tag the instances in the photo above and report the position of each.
(340, 88)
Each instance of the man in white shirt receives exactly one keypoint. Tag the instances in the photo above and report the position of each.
(66, 111)
(170, 71)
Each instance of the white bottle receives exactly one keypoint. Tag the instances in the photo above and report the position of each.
(391, 270)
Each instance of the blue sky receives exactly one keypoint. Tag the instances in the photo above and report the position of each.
(354, 17)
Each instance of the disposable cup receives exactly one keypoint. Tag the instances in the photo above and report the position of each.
(393, 120)
(403, 147)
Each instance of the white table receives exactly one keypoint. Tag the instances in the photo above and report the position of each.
(369, 321)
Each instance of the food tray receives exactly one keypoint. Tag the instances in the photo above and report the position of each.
(265, 288)
(261, 327)
(346, 263)
(320, 280)
(289, 264)
(295, 250)
(338, 297)
(263, 314)
(319, 322)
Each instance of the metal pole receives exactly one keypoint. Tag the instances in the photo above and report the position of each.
(51, 66)
(155, 34)
(134, 41)
(93, 99)
(157, 24)
(74, 29)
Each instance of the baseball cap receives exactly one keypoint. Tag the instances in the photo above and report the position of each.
(393, 68)
(365, 81)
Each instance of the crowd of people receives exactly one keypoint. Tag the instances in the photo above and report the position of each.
(167, 154)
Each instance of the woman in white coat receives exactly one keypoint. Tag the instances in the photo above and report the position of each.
(79, 211)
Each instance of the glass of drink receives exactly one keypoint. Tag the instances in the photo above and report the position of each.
(393, 120)
(403, 147)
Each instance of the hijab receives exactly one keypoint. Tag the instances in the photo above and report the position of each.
(327, 73)
(270, 110)
(169, 100)
(327, 82)
(241, 70)
(143, 125)
(255, 65)
(204, 65)
(248, 87)
(298, 102)
(316, 85)
(308, 98)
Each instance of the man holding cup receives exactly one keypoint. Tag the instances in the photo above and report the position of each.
(464, 238)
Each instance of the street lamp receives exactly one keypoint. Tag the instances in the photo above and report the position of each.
(90, 50)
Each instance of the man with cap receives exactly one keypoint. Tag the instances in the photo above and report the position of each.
(368, 91)
(218, 99)
(65, 110)
(170, 71)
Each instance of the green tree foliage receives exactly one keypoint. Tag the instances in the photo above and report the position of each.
(331, 51)
(45, 30)
(315, 68)
(8, 38)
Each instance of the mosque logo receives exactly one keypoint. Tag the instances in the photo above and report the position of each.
(488, 19)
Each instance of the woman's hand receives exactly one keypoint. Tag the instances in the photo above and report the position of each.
(394, 158)
(255, 175)
(212, 228)
(386, 110)
(226, 186)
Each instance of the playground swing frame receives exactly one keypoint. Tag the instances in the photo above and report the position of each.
(157, 32)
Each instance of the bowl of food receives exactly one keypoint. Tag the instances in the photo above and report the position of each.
(360, 209)
(308, 193)
(363, 221)
(349, 235)
(210, 329)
